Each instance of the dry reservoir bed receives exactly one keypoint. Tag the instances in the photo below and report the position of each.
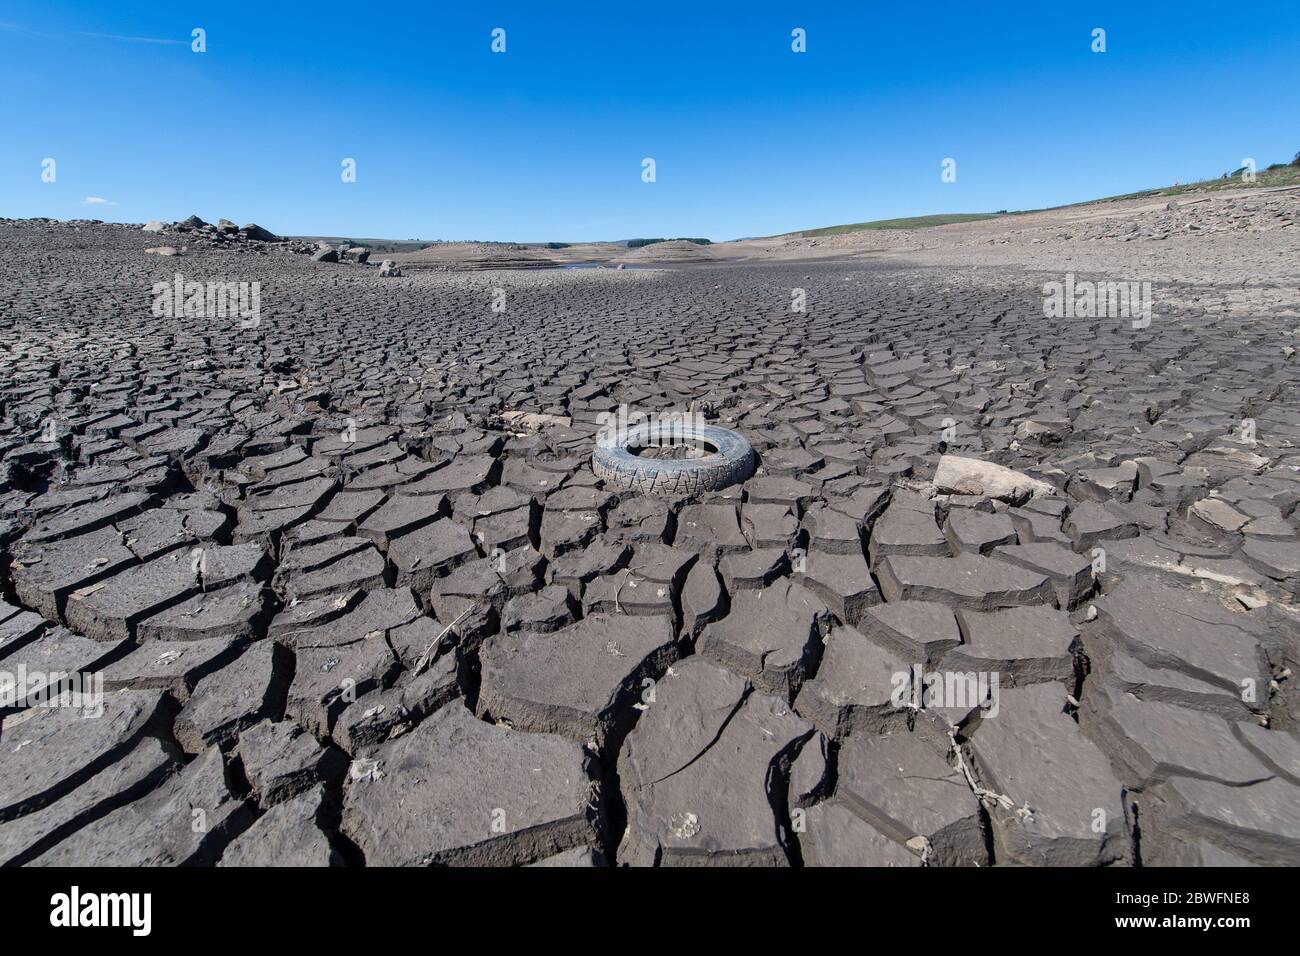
(336, 584)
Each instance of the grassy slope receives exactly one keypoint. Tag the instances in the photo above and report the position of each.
(911, 222)
(1282, 176)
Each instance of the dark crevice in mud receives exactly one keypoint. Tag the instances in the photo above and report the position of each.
(178, 480)
(871, 517)
(534, 524)
(165, 730)
(1082, 670)
(214, 843)
(284, 665)
(627, 714)
(1135, 826)
(675, 588)
(612, 804)
(272, 604)
(778, 796)
(831, 778)
(7, 592)
(236, 777)
(670, 527)
(469, 674)
(986, 831)
(330, 820)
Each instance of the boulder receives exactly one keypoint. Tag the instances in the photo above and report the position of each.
(254, 231)
(970, 476)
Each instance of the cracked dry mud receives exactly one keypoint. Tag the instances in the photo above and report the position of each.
(357, 597)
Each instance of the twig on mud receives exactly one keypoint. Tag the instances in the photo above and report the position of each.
(985, 796)
(427, 656)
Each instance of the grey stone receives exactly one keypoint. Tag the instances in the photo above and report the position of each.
(287, 835)
(451, 792)
(771, 637)
(185, 822)
(576, 681)
(1057, 782)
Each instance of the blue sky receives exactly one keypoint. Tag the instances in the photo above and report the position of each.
(545, 141)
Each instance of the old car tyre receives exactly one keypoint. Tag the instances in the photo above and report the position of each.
(729, 460)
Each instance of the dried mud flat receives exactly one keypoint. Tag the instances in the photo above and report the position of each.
(350, 608)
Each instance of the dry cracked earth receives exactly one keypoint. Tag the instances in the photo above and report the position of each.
(356, 597)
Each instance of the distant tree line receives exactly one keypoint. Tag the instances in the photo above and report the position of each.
(638, 243)
(1294, 162)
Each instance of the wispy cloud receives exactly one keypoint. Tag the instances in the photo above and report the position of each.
(131, 39)
(10, 27)
(99, 201)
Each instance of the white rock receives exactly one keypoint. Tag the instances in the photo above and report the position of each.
(970, 476)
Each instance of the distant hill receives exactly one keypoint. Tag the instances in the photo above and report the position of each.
(638, 243)
(911, 222)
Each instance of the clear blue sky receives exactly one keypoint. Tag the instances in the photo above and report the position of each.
(545, 141)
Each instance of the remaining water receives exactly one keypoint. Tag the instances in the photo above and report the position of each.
(602, 265)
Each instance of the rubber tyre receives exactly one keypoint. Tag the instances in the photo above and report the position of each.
(623, 471)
